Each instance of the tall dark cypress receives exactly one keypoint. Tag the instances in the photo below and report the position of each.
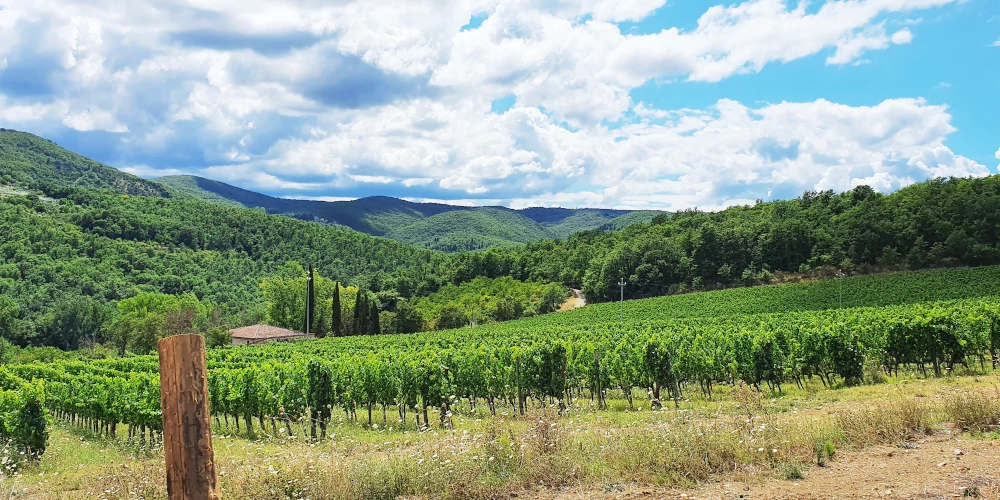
(310, 301)
(373, 326)
(358, 327)
(337, 313)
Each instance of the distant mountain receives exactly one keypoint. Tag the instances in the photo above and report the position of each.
(431, 225)
(30, 161)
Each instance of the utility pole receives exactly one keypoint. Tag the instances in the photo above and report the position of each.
(621, 284)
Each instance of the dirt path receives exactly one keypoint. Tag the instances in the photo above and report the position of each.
(934, 470)
(574, 302)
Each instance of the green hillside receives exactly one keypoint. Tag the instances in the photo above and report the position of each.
(30, 161)
(481, 228)
(67, 259)
(637, 217)
(431, 225)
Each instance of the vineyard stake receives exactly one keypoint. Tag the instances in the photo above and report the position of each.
(187, 431)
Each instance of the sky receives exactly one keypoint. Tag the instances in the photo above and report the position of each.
(659, 104)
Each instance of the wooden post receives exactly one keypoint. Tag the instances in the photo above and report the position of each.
(187, 432)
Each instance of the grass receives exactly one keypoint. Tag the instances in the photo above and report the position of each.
(745, 435)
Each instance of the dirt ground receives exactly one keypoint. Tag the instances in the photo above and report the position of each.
(575, 302)
(939, 466)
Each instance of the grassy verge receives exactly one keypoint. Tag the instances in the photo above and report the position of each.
(742, 436)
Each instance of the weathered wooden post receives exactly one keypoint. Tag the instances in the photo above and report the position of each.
(187, 432)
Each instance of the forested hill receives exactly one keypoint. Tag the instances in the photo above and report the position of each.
(30, 161)
(66, 257)
(937, 223)
(430, 225)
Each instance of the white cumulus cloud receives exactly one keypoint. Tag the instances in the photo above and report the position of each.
(325, 99)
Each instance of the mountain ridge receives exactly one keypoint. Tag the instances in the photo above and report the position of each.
(437, 226)
(30, 161)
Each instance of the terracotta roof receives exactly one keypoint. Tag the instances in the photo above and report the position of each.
(263, 332)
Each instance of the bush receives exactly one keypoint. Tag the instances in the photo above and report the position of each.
(218, 337)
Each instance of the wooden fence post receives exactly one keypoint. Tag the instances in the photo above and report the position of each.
(187, 432)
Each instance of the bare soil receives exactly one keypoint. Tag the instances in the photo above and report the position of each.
(574, 302)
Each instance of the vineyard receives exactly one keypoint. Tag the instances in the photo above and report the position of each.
(296, 389)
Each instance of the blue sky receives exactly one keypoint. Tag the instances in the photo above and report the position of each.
(637, 104)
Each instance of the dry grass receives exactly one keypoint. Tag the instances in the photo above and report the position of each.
(748, 437)
(884, 422)
(974, 411)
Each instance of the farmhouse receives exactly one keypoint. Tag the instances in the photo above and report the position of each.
(260, 334)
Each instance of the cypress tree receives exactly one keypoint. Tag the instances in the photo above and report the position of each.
(358, 328)
(337, 313)
(310, 301)
(373, 326)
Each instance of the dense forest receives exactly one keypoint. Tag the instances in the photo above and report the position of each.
(76, 250)
(937, 223)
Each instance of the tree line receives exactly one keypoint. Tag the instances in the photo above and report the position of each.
(937, 223)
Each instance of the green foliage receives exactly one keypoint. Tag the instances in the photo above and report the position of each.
(483, 300)
(218, 336)
(30, 161)
(539, 358)
(407, 318)
(337, 319)
(285, 301)
(793, 472)
(451, 316)
(858, 291)
(937, 223)
(23, 418)
(142, 320)
(64, 265)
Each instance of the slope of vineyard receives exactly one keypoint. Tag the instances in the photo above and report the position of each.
(856, 291)
(510, 364)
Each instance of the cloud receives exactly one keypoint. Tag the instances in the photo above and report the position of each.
(86, 121)
(348, 98)
(372, 179)
(853, 45)
(417, 181)
(902, 36)
(582, 72)
(703, 158)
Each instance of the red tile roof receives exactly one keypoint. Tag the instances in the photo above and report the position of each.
(263, 332)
